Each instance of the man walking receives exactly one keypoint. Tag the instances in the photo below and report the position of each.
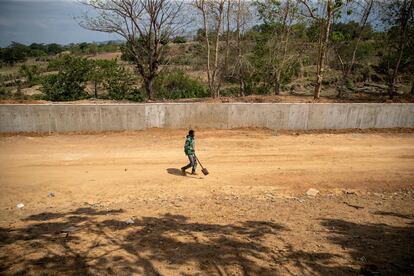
(190, 152)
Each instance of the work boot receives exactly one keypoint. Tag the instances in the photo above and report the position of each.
(193, 173)
(183, 172)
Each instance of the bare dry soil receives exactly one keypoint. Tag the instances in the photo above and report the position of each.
(115, 203)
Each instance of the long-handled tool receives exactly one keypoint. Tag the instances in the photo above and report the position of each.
(203, 170)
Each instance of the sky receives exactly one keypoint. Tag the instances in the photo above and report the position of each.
(44, 21)
(47, 21)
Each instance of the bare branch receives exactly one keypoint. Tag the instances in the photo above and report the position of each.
(146, 25)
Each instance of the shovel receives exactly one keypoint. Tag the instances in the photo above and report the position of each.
(203, 170)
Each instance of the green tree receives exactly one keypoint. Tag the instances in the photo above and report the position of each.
(54, 49)
(118, 82)
(276, 53)
(97, 73)
(37, 53)
(14, 53)
(177, 84)
(93, 49)
(70, 81)
(83, 47)
(152, 23)
(179, 40)
(38, 46)
(322, 14)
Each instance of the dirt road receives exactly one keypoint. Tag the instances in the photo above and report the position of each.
(249, 216)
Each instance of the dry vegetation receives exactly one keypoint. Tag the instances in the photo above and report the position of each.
(299, 90)
(288, 49)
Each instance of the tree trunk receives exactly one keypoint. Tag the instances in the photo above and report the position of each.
(391, 87)
(239, 52)
(301, 69)
(285, 38)
(216, 55)
(318, 87)
(277, 83)
(318, 82)
(226, 58)
(148, 81)
(344, 74)
(405, 14)
(242, 88)
(96, 89)
(412, 87)
(393, 77)
(277, 88)
(323, 44)
(208, 49)
(214, 77)
(346, 70)
(344, 84)
(364, 20)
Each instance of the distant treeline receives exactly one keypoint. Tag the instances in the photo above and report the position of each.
(17, 52)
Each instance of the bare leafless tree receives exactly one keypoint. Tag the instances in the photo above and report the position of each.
(227, 30)
(146, 25)
(363, 8)
(321, 12)
(400, 14)
(212, 12)
(239, 50)
(282, 58)
(243, 15)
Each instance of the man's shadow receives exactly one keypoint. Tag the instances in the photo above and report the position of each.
(175, 171)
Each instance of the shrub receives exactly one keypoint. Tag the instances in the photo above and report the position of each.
(118, 82)
(262, 90)
(31, 73)
(74, 72)
(179, 40)
(36, 97)
(136, 95)
(69, 83)
(230, 92)
(19, 93)
(13, 54)
(176, 85)
(60, 62)
(37, 53)
(62, 87)
(53, 49)
(5, 93)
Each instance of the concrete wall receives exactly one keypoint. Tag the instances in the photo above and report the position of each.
(70, 117)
